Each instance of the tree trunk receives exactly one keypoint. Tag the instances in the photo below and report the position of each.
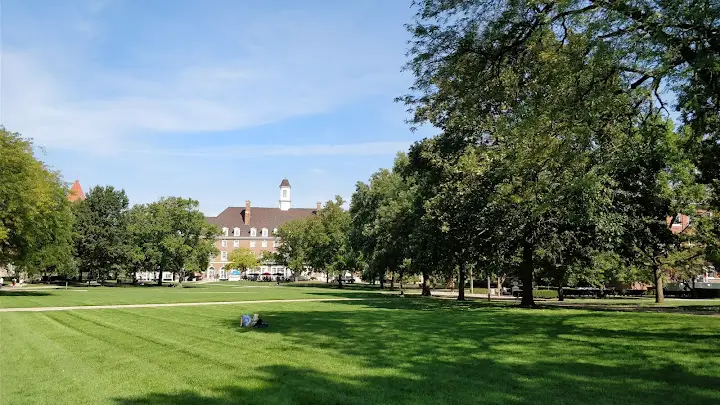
(561, 294)
(327, 277)
(159, 280)
(659, 294)
(499, 285)
(526, 274)
(392, 280)
(488, 282)
(79, 275)
(425, 285)
(382, 281)
(340, 285)
(472, 286)
(461, 281)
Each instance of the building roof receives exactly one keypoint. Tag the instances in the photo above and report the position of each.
(285, 183)
(260, 217)
(76, 192)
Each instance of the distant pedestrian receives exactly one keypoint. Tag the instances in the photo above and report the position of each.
(13, 282)
(2, 280)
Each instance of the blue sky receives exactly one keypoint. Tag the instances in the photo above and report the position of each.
(215, 100)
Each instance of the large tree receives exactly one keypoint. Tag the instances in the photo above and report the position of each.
(382, 221)
(294, 244)
(182, 233)
(102, 240)
(329, 248)
(35, 217)
(549, 88)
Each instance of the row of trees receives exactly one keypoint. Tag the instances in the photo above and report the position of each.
(41, 232)
(319, 242)
(557, 157)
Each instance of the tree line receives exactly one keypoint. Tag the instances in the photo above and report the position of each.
(558, 157)
(43, 233)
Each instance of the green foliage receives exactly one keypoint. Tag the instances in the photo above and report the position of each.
(184, 238)
(35, 218)
(381, 211)
(242, 259)
(102, 240)
(552, 124)
(295, 244)
(545, 294)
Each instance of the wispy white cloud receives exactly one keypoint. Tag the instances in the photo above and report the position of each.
(261, 151)
(186, 101)
(283, 65)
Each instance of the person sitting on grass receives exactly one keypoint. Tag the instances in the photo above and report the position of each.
(252, 322)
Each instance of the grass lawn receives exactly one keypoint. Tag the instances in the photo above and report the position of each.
(232, 291)
(389, 350)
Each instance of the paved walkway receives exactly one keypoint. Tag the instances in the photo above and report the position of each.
(175, 304)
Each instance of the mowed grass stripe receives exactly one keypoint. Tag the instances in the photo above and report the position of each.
(19, 298)
(401, 351)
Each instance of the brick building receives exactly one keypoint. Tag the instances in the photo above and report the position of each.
(253, 228)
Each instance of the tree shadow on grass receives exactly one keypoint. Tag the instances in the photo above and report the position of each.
(466, 382)
(5, 293)
(448, 352)
(334, 286)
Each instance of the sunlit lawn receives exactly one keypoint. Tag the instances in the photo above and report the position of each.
(389, 350)
(231, 291)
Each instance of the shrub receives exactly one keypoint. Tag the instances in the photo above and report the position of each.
(545, 293)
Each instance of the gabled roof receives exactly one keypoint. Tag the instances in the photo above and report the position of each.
(76, 192)
(285, 183)
(260, 217)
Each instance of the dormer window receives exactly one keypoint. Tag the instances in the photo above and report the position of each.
(225, 231)
(275, 231)
(236, 231)
(265, 232)
(253, 232)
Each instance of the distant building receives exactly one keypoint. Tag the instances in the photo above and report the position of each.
(253, 228)
(76, 192)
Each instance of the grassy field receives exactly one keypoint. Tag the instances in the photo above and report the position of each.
(211, 292)
(387, 350)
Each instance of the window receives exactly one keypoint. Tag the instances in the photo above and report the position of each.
(274, 243)
(225, 231)
(284, 193)
(236, 231)
(264, 243)
(223, 256)
(236, 243)
(275, 231)
(212, 256)
(252, 243)
(265, 232)
(223, 243)
(253, 232)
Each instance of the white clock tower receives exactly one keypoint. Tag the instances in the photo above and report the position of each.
(285, 195)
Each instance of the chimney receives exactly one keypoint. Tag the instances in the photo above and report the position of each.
(319, 205)
(247, 212)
